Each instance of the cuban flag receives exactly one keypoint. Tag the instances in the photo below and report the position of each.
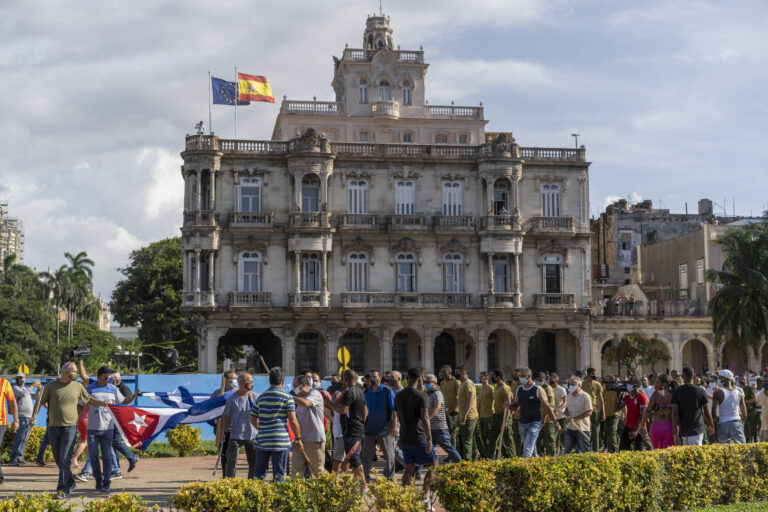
(179, 398)
(140, 426)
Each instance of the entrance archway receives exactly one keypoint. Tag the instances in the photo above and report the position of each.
(696, 355)
(661, 366)
(553, 351)
(406, 351)
(252, 343)
(607, 368)
(502, 351)
(444, 350)
(309, 353)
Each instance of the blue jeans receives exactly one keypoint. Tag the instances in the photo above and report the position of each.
(279, 460)
(21, 440)
(120, 447)
(578, 441)
(529, 433)
(62, 443)
(442, 438)
(100, 439)
(112, 454)
(43, 445)
(731, 432)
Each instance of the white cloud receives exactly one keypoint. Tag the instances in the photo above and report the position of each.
(164, 198)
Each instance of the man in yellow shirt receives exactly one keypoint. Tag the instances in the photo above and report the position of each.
(501, 395)
(547, 441)
(594, 389)
(449, 386)
(467, 403)
(485, 413)
(611, 418)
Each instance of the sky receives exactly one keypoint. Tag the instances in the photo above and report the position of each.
(96, 97)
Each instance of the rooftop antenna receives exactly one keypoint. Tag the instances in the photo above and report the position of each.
(576, 139)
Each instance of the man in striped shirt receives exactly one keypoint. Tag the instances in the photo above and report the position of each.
(270, 415)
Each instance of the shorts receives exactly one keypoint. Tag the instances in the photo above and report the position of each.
(417, 454)
(354, 461)
(82, 429)
(339, 455)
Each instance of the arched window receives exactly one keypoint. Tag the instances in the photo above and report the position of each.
(493, 351)
(501, 274)
(406, 273)
(385, 93)
(249, 272)
(310, 193)
(308, 351)
(453, 281)
(363, 90)
(400, 352)
(452, 198)
(310, 272)
(357, 272)
(501, 197)
(407, 88)
(552, 265)
(550, 200)
(354, 341)
(357, 196)
(249, 195)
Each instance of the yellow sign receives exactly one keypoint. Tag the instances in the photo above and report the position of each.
(24, 368)
(344, 356)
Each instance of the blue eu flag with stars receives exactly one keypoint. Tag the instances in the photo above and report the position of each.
(225, 93)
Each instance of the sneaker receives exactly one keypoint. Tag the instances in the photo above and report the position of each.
(61, 495)
(13, 463)
(132, 465)
(105, 489)
(81, 477)
(428, 505)
(71, 488)
(40, 463)
(116, 476)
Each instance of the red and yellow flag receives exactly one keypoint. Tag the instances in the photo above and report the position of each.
(254, 88)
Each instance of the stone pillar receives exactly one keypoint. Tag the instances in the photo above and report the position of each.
(331, 359)
(385, 350)
(207, 360)
(677, 353)
(515, 179)
(199, 188)
(187, 189)
(297, 277)
(585, 348)
(211, 264)
(197, 271)
(185, 272)
(323, 206)
(490, 280)
(427, 350)
(481, 351)
(297, 191)
(289, 352)
(522, 346)
(518, 293)
(324, 280)
(489, 186)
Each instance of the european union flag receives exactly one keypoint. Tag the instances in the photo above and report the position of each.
(225, 93)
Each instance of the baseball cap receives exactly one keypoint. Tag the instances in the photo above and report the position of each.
(20, 374)
(103, 370)
(726, 374)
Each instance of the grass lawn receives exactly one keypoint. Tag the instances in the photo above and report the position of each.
(165, 450)
(760, 506)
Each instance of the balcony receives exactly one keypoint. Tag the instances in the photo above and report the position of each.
(358, 221)
(203, 218)
(199, 299)
(202, 142)
(309, 299)
(498, 223)
(312, 108)
(454, 112)
(367, 55)
(554, 301)
(454, 222)
(552, 225)
(389, 109)
(251, 220)
(501, 300)
(405, 300)
(310, 220)
(408, 222)
(554, 154)
(250, 299)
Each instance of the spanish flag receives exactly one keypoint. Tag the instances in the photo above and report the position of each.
(254, 88)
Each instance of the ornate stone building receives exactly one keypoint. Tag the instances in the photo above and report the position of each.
(400, 230)
(11, 236)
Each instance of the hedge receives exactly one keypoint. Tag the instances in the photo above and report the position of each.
(122, 502)
(677, 478)
(33, 445)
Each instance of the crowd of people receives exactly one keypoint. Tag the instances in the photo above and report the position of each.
(359, 419)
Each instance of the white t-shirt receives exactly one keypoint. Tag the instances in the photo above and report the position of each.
(311, 418)
(560, 394)
(649, 391)
(336, 428)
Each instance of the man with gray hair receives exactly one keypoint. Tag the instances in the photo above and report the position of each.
(61, 396)
(310, 413)
(437, 418)
(237, 420)
(578, 411)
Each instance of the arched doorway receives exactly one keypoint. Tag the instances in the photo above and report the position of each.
(363, 349)
(444, 351)
(696, 355)
(244, 346)
(308, 351)
(502, 351)
(734, 359)
(607, 368)
(553, 351)
(406, 351)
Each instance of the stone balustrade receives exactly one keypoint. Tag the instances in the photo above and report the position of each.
(309, 219)
(254, 146)
(454, 112)
(454, 222)
(497, 222)
(309, 299)
(558, 154)
(251, 220)
(199, 299)
(358, 221)
(554, 301)
(359, 54)
(407, 221)
(207, 218)
(501, 300)
(250, 299)
(390, 109)
(315, 108)
(409, 300)
(552, 225)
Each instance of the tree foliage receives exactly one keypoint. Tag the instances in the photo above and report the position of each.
(633, 352)
(150, 296)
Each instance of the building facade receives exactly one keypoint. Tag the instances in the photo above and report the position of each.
(401, 231)
(11, 236)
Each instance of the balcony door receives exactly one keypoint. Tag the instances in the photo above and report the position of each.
(452, 198)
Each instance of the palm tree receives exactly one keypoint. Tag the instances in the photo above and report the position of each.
(739, 309)
(10, 274)
(80, 264)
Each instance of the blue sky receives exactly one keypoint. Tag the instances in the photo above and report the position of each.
(669, 97)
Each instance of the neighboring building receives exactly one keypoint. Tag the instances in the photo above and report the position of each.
(11, 236)
(123, 332)
(391, 227)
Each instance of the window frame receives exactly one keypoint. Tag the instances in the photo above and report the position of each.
(310, 183)
(363, 91)
(249, 257)
(453, 198)
(503, 187)
(385, 90)
(453, 273)
(504, 278)
(357, 196)
(407, 93)
(700, 274)
(405, 189)
(551, 198)
(358, 268)
(407, 279)
(245, 183)
(310, 271)
(443, 136)
(552, 262)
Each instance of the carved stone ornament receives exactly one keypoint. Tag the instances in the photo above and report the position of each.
(405, 173)
(309, 140)
(453, 246)
(357, 245)
(552, 248)
(502, 145)
(249, 244)
(404, 245)
(198, 324)
(356, 174)
(551, 178)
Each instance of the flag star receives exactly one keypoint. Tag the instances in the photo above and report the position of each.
(138, 422)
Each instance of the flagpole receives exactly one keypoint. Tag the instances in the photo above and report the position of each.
(210, 123)
(237, 99)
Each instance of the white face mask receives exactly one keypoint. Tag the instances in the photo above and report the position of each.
(233, 383)
(572, 389)
(538, 383)
(523, 381)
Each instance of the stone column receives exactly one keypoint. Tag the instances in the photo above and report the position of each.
(199, 188)
(211, 264)
(522, 346)
(481, 351)
(297, 277)
(208, 362)
(212, 191)
(323, 206)
(185, 272)
(490, 280)
(331, 359)
(515, 179)
(677, 353)
(197, 271)
(585, 346)
(187, 189)
(489, 186)
(324, 280)
(518, 293)
(297, 192)
(289, 353)
(427, 351)
(385, 350)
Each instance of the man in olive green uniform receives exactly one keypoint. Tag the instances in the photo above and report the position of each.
(594, 389)
(468, 415)
(485, 415)
(611, 427)
(501, 395)
(547, 441)
(449, 386)
(752, 423)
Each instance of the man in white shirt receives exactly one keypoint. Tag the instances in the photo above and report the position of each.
(578, 411)
(310, 412)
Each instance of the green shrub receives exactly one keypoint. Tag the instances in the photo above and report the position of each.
(226, 495)
(33, 503)
(392, 497)
(678, 478)
(327, 492)
(33, 445)
(122, 502)
(184, 438)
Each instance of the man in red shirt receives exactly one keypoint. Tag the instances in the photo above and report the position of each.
(635, 401)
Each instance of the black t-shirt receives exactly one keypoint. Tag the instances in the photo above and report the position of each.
(124, 390)
(353, 423)
(690, 399)
(409, 404)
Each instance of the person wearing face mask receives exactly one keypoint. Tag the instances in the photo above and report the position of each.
(437, 418)
(485, 417)
(502, 394)
(546, 444)
(25, 404)
(228, 383)
(729, 410)
(578, 411)
(237, 419)
(380, 427)
(449, 385)
(762, 399)
(531, 400)
(633, 435)
(752, 423)
(61, 396)
(561, 395)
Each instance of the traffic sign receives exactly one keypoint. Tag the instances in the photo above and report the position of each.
(344, 356)
(24, 368)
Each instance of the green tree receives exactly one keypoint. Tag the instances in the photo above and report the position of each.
(633, 352)
(103, 347)
(150, 296)
(739, 309)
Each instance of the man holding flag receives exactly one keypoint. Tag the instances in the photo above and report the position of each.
(236, 418)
